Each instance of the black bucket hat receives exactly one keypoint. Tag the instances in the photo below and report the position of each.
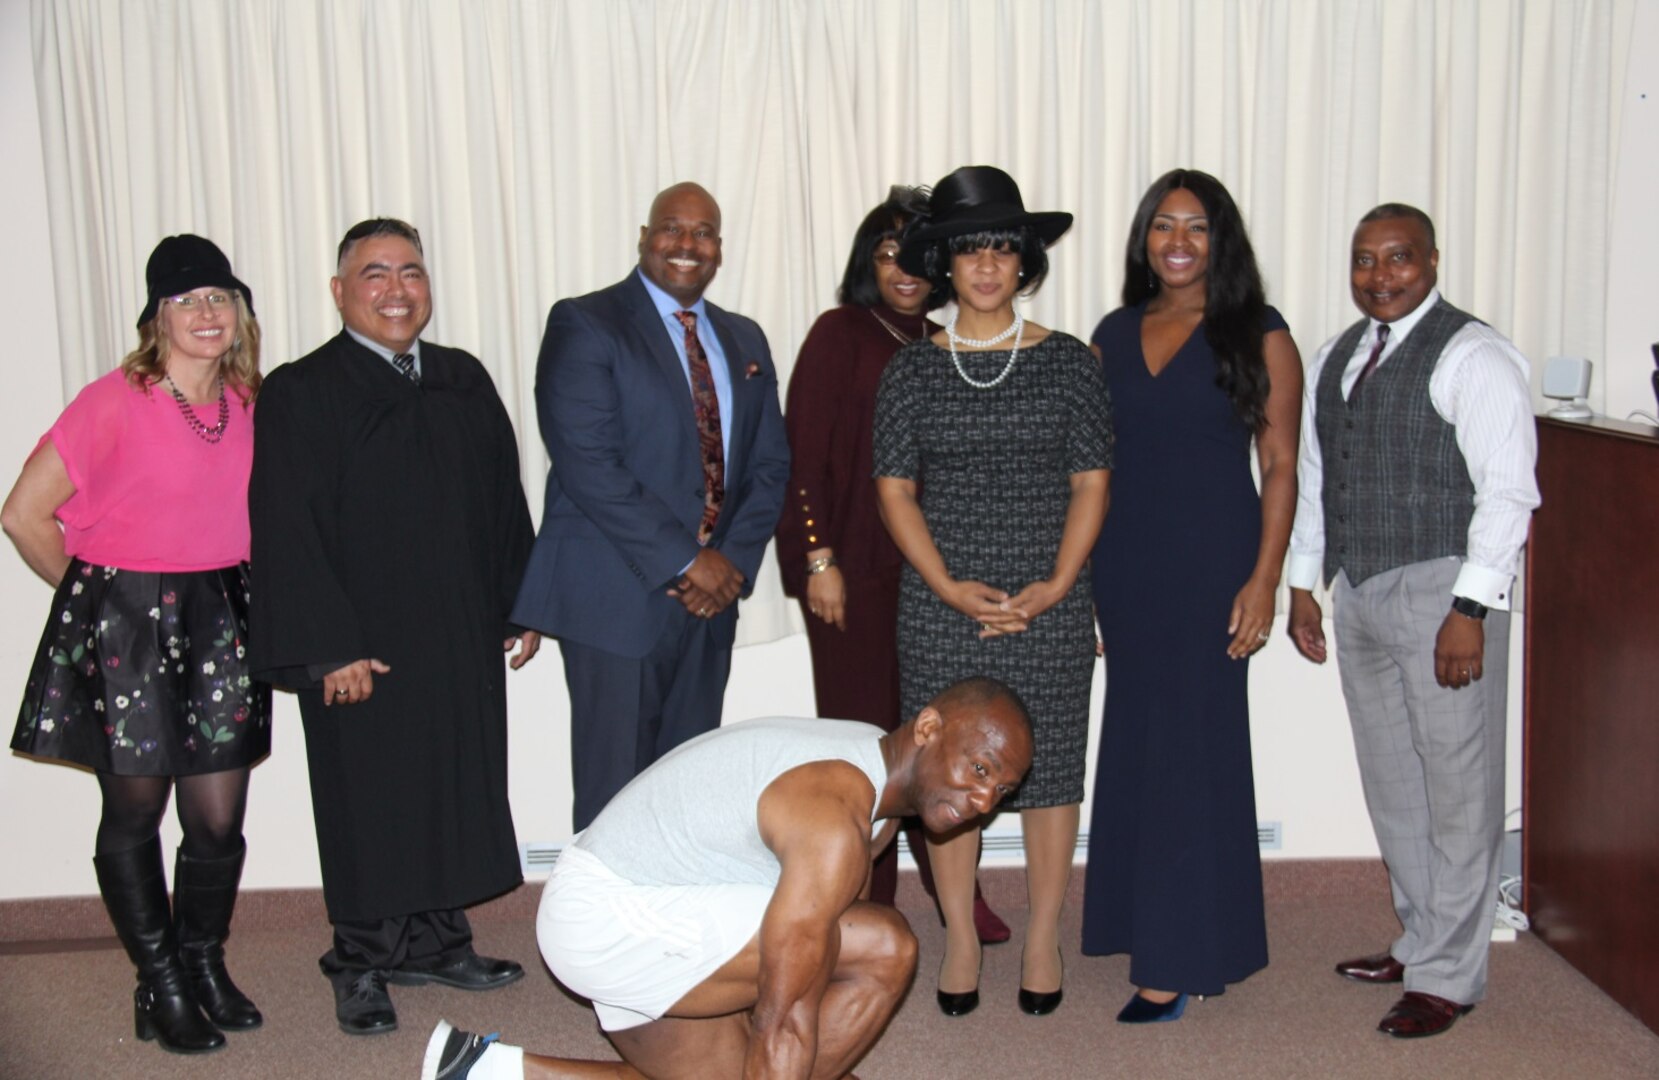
(184, 262)
(976, 198)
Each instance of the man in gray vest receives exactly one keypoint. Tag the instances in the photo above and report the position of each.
(715, 912)
(1416, 485)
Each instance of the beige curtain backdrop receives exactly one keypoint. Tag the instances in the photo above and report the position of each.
(525, 139)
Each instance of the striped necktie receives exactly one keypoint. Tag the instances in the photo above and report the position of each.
(405, 363)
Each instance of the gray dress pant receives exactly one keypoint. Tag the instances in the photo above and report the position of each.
(1432, 762)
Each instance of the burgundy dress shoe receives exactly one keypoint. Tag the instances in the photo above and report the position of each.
(1381, 968)
(1418, 1015)
(990, 928)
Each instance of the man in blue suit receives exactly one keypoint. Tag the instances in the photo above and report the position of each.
(660, 413)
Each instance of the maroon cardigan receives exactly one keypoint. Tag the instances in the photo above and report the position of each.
(831, 499)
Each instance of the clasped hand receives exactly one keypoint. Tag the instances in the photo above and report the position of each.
(709, 585)
(998, 613)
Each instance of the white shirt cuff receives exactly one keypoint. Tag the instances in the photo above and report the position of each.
(1303, 570)
(1484, 586)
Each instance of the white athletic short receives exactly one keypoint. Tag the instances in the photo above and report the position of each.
(634, 950)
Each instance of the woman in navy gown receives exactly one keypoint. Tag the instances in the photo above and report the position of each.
(1185, 574)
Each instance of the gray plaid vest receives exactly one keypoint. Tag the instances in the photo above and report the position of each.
(1396, 488)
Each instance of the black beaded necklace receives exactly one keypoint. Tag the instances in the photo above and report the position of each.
(207, 434)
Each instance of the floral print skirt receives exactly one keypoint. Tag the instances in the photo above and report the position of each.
(143, 674)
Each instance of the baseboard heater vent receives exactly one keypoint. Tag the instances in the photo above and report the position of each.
(538, 858)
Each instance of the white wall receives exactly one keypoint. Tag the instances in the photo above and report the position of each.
(1305, 772)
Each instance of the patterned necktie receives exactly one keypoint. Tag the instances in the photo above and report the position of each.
(1371, 363)
(706, 407)
(405, 363)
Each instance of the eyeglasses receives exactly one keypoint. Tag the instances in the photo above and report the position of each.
(887, 256)
(190, 302)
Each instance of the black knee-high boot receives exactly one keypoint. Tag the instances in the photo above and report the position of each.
(135, 892)
(204, 896)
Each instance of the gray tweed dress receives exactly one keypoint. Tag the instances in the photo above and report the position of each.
(993, 469)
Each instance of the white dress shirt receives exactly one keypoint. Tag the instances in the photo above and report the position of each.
(1480, 387)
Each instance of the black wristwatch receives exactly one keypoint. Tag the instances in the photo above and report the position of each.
(1472, 609)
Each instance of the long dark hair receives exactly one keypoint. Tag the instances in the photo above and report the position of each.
(885, 222)
(1234, 301)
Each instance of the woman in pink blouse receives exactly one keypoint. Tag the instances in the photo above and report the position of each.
(134, 506)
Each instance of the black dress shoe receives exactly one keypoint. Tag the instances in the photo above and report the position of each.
(1381, 968)
(469, 972)
(361, 1003)
(1034, 1004)
(958, 1004)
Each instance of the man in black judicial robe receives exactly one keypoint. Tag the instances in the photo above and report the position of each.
(389, 535)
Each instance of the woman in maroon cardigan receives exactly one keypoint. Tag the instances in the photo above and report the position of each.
(834, 552)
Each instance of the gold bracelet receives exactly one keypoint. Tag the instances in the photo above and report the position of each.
(818, 566)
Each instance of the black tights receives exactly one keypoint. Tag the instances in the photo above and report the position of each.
(211, 806)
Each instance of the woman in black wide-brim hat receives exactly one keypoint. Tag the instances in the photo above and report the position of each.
(834, 553)
(134, 507)
(993, 450)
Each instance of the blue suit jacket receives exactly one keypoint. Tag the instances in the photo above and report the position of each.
(625, 493)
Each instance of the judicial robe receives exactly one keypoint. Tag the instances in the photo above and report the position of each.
(389, 522)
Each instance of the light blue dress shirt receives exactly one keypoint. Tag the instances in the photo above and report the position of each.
(718, 370)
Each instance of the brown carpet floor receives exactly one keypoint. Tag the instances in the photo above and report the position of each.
(65, 1003)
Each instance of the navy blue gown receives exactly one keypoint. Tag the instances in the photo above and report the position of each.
(1174, 873)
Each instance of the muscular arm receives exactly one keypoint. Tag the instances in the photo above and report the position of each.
(816, 820)
(29, 513)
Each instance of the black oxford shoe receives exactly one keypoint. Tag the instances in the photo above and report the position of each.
(469, 972)
(361, 1003)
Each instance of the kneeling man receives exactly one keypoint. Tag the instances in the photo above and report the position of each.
(713, 910)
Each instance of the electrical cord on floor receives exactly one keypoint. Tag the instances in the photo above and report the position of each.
(1509, 891)
(1509, 904)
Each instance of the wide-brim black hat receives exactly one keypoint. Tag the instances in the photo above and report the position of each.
(185, 262)
(976, 198)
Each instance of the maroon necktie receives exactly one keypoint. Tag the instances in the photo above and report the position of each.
(1371, 363)
(706, 406)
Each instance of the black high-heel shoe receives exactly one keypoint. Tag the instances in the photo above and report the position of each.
(958, 1004)
(1034, 1004)
(1041, 1003)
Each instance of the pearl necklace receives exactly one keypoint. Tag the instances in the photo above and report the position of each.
(1016, 330)
(207, 434)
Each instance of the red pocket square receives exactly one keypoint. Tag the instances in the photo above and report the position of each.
(751, 371)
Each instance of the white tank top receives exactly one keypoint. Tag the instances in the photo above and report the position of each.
(691, 818)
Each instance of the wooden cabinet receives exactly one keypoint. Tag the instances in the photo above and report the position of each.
(1591, 769)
